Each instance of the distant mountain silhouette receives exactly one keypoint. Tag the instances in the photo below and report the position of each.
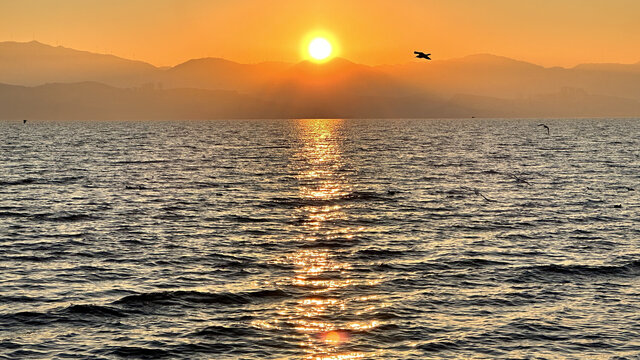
(497, 76)
(34, 63)
(610, 67)
(216, 73)
(96, 101)
(341, 88)
(568, 102)
(67, 83)
(334, 80)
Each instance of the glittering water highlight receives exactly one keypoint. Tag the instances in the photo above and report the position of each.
(320, 239)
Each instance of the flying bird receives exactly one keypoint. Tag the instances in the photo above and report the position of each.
(546, 127)
(518, 179)
(421, 55)
(477, 192)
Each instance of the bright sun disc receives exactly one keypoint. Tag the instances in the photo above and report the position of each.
(319, 48)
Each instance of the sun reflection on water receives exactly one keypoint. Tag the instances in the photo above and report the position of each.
(325, 315)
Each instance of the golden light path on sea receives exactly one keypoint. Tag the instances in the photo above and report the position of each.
(326, 314)
(316, 269)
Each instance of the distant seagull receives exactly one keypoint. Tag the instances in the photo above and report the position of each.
(477, 192)
(519, 179)
(421, 55)
(24, 121)
(546, 127)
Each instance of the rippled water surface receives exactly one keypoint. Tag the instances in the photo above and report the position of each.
(320, 239)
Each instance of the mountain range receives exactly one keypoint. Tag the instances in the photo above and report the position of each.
(38, 81)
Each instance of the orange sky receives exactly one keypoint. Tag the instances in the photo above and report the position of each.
(167, 32)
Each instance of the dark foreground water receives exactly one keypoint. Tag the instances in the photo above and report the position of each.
(320, 239)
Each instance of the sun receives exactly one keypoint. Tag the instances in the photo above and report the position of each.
(320, 48)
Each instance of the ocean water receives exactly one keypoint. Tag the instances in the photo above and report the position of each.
(320, 239)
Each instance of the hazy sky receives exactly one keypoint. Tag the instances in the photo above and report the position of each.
(167, 32)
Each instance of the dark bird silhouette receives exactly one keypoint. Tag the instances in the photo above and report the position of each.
(421, 55)
(519, 180)
(477, 192)
(546, 127)
(24, 121)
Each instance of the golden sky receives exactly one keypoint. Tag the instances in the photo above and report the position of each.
(167, 32)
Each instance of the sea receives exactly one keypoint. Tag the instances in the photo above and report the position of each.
(320, 239)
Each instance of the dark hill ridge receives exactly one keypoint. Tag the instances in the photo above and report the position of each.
(96, 101)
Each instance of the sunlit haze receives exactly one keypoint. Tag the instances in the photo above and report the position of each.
(168, 32)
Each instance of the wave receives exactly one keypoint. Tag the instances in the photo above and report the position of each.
(205, 184)
(217, 330)
(31, 180)
(13, 214)
(122, 307)
(337, 243)
(198, 297)
(138, 352)
(124, 162)
(33, 258)
(20, 299)
(440, 265)
(355, 196)
(18, 182)
(229, 261)
(157, 350)
(64, 180)
(553, 270)
(26, 318)
(437, 346)
(53, 217)
(247, 219)
(63, 217)
(374, 254)
(475, 262)
(95, 310)
(74, 313)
